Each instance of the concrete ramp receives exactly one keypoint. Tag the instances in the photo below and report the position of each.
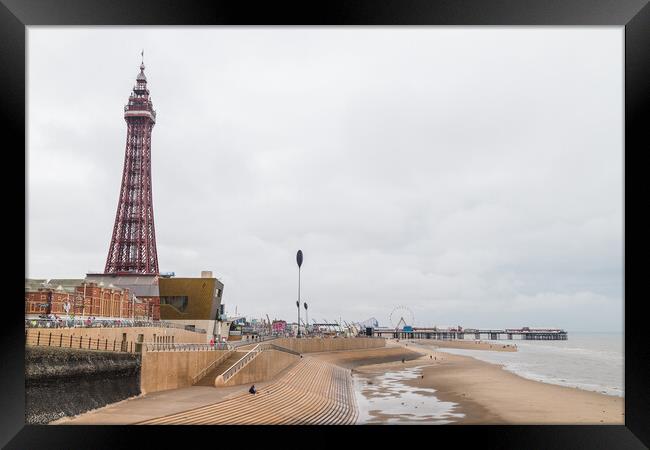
(262, 365)
(259, 363)
(209, 378)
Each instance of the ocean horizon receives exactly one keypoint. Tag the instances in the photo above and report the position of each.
(592, 361)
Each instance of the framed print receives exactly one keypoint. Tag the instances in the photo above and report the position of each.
(349, 218)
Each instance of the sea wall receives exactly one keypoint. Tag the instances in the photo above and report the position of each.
(63, 382)
(312, 345)
(263, 367)
(129, 334)
(173, 370)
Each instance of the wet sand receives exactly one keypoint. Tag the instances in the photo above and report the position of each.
(469, 345)
(485, 393)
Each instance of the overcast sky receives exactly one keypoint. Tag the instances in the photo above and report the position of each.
(472, 174)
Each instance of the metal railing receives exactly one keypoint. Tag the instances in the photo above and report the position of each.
(243, 361)
(185, 347)
(249, 356)
(50, 339)
(280, 349)
(210, 366)
(242, 343)
(178, 325)
(99, 323)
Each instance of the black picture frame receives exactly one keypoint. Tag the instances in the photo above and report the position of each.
(634, 15)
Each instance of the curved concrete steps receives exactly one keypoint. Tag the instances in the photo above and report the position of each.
(312, 392)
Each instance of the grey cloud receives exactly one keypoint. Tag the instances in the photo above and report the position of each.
(472, 174)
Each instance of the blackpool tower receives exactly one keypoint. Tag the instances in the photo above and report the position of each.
(133, 245)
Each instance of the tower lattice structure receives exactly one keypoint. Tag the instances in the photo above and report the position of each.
(133, 245)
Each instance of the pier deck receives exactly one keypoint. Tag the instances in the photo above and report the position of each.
(471, 333)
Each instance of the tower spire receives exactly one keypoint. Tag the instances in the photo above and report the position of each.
(133, 244)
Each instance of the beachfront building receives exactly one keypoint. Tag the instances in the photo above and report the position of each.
(292, 328)
(81, 299)
(143, 286)
(191, 302)
(279, 326)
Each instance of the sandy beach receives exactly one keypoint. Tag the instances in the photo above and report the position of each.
(469, 345)
(485, 393)
(376, 357)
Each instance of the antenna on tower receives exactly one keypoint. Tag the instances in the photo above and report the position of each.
(142, 53)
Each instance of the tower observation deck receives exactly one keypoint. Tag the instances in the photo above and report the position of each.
(133, 244)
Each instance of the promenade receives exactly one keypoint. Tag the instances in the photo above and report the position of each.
(312, 392)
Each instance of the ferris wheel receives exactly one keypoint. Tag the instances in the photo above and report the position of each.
(401, 316)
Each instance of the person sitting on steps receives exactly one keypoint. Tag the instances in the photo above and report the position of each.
(252, 390)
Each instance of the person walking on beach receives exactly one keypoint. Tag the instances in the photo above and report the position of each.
(252, 390)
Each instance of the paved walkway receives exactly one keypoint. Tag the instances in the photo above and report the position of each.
(156, 404)
(311, 392)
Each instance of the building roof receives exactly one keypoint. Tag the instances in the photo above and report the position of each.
(60, 284)
(65, 282)
(68, 284)
(140, 285)
(34, 283)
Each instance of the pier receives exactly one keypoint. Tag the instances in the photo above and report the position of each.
(524, 334)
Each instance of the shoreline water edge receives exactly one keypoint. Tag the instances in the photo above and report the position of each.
(414, 383)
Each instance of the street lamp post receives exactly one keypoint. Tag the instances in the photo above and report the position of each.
(299, 261)
(298, 330)
(306, 317)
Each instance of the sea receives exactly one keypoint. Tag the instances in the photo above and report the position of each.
(589, 361)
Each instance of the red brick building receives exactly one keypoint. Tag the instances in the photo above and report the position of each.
(84, 299)
(143, 286)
